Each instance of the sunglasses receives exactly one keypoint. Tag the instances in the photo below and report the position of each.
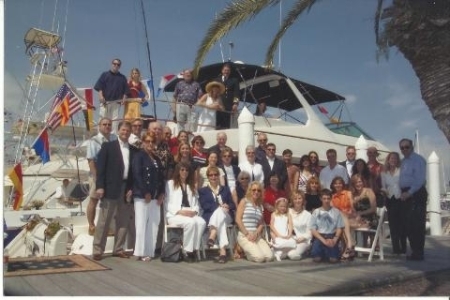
(405, 147)
(256, 190)
(262, 140)
(270, 149)
(245, 178)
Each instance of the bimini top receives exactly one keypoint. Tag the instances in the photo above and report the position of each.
(274, 91)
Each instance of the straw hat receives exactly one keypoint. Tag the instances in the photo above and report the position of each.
(212, 84)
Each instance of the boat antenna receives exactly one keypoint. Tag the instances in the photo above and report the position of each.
(416, 142)
(149, 59)
(279, 44)
(231, 44)
(220, 44)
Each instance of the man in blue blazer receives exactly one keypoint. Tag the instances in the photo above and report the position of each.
(114, 185)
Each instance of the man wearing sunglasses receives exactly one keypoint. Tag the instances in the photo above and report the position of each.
(112, 88)
(414, 194)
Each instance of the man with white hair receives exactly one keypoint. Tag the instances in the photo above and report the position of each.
(221, 139)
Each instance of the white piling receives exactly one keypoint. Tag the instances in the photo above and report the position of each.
(433, 181)
(246, 123)
(361, 146)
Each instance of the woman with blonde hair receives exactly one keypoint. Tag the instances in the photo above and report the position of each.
(211, 102)
(250, 221)
(138, 94)
(395, 207)
(300, 221)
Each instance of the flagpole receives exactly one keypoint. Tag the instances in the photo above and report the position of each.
(149, 58)
(76, 159)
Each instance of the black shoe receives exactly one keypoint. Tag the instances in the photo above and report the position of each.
(414, 257)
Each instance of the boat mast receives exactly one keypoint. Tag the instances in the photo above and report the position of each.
(149, 58)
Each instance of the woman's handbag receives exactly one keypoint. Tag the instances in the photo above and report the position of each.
(171, 251)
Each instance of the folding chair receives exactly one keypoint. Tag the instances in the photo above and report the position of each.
(232, 240)
(377, 240)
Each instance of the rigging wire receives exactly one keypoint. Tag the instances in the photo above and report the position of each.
(54, 15)
(149, 59)
(136, 34)
(65, 29)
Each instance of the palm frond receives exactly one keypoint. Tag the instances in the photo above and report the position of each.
(234, 14)
(299, 7)
(380, 40)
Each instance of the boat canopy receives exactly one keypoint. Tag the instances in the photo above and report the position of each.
(41, 39)
(274, 90)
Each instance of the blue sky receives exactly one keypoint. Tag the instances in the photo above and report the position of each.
(332, 46)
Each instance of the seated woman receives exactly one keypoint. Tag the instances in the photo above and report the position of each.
(364, 203)
(202, 177)
(243, 181)
(312, 194)
(249, 219)
(300, 221)
(182, 208)
(218, 211)
(326, 226)
(342, 200)
(271, 194)
(281, 229)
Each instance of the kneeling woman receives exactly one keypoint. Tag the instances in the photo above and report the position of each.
(218, 210)
(250, 220)
(182, 207)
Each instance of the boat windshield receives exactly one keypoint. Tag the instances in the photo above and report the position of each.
(348, 128)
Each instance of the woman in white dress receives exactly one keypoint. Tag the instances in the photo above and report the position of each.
(210, 102)
(300, 220)
(182, 208)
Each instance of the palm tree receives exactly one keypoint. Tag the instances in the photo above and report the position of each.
(420, 29)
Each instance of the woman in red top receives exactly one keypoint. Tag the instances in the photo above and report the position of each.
(271, 193)
(342, 200)
(182, 137)
(138, 93)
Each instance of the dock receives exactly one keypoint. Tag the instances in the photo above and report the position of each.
(129, 277)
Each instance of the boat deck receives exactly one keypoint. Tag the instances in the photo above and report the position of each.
(129, 277)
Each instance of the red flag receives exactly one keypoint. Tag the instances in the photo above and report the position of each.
(322, 109)
(65, 105)
(88, 96)
(16, 177)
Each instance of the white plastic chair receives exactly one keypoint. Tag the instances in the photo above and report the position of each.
(377, 240)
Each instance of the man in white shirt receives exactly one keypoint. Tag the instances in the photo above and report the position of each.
(93, 148)
(253, 168)
(350, 152)
(332, 170)
(136, 132)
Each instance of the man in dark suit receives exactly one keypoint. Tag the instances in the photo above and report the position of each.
(348, 164)
(228, 118)
(272, 164)
(114, 184)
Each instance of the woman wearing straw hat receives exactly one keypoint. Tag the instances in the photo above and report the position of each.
(211, 102)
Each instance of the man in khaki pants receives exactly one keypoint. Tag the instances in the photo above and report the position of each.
(114, 184)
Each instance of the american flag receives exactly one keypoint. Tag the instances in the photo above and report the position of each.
(64, 106)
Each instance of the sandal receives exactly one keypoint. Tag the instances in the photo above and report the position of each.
(222, 259)
(145, 258)
(347, 255)
(211, 243)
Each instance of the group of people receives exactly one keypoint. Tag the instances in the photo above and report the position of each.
(144, 181)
